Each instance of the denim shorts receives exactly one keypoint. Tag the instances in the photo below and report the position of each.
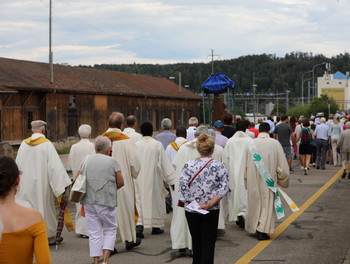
(288, 152)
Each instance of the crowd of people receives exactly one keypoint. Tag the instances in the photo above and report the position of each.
(224, 173)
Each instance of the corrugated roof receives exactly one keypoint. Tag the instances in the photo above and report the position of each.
(24, 75)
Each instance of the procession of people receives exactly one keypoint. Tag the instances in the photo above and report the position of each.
(228, 174)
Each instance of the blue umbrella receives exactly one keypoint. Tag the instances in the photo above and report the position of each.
(217, 83)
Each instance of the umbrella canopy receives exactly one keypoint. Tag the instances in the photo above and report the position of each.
(217, 84)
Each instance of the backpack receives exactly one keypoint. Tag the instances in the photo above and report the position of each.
(305, 136)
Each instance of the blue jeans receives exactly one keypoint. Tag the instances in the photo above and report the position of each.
(322, 148)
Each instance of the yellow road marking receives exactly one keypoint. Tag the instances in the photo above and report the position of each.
(251, 254)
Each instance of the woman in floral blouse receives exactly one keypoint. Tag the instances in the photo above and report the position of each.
(206, 181)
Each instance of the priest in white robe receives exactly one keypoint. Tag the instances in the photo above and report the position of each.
(236, 154)
(155, 167)
(261, 215)
(131, 123)
(174, 146)
(179, 232)
(43, 178)
(77, 154)
(124, 151)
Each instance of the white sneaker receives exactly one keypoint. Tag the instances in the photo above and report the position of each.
(301, 167)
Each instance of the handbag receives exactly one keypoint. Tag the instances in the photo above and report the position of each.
(78, 189)
(181, 203)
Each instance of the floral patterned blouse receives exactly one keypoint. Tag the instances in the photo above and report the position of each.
(211, 181)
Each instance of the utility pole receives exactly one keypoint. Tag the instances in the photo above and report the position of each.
(254, 101)
(50, 43)
(212, 60)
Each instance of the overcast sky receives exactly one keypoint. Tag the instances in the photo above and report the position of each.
(169, 31)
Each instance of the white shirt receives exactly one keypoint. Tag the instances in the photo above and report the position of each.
(131, 133)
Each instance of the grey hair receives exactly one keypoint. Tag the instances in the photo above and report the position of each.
(201, 130)
(212, 133)
(84, 131)
(193, 121)
(38, 129)
(102, 144)
(166, 124)
(323, 120)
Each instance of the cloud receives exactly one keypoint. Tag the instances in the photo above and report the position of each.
(109, 31)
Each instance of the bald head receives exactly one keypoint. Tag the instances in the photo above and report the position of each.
(131, 121)
(116, 120)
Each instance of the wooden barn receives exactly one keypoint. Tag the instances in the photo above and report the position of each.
(81, 95)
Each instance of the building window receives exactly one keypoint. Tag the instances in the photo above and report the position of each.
(72, 101)
(29, 120)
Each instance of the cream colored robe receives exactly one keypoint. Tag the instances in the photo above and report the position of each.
(171, 152)
(43, 179)
(130, 132)
(155, 167)
(77, 154)
(236, 154)
(179, 232)
(261, 213)
(124, 151)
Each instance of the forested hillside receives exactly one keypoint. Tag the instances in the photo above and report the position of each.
(271, 73)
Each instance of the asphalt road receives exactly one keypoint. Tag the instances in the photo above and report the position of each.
(321, 234)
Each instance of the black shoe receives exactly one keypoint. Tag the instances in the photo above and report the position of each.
(344, 174)
(131, 245)
(83, 236)
(157, 231)
(53, 242)
(262, 236)
(240, 222)
(182, 250)
(318, 167)
(221, 232)
(115, 251)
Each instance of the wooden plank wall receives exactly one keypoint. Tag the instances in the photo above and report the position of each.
(56, 109)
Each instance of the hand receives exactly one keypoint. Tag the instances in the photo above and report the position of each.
(204, 206)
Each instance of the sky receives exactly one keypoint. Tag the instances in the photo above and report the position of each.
(89, 32)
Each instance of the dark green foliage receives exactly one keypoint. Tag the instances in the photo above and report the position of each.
(271, 73)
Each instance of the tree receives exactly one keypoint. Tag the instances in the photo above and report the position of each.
(319, 104)
(281, 110)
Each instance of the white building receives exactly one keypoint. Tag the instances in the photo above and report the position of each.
(337, 86)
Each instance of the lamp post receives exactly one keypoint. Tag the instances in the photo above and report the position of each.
(313, 77)
(302, 88)
(287, 101)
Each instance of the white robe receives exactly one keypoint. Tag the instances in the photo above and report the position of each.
(124, 151)
(77, 154)
(154, 168)
(179, 232)
(261, 213)
(236, 154)
(43, 179)
(170, 151)
(130, 132)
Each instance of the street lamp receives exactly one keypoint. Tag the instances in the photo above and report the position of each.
(302, 89)
(313, 77)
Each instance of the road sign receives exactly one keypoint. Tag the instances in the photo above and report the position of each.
(329, 101)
